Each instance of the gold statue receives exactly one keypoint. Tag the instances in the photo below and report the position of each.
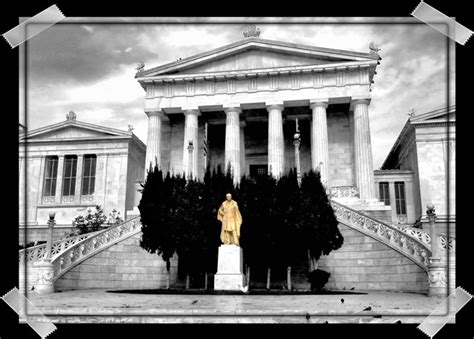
(231, 219)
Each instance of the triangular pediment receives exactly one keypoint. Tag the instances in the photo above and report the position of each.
(255, 53)
(439, 115)
(73, 130)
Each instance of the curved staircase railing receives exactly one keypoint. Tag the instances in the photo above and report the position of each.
(421, 235)
(406, 244)
(38, 252)
(97, 242)
(412, 243)
(445, 242)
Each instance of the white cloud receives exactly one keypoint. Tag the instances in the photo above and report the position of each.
(401, 83)
(121, 88)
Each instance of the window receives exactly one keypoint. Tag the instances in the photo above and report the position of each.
(88, 176)
(400, 198)
(50, 175)
(384, 193)
(258, 170)
(69, 180)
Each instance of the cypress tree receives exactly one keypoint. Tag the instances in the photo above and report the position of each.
(318, 221)
(157, 232)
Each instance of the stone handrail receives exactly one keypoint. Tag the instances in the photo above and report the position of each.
(344, 192)
(38, 252)
(406, 244)
(82, 250)
(445, 242)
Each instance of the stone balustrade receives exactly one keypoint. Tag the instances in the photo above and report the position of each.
(37, 253)
(87, 247)
(445, 243)
(344, 192)
(400, 241)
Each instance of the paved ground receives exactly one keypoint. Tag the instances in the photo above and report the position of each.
(102, 306)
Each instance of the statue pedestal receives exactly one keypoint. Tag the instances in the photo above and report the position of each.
(229, 276)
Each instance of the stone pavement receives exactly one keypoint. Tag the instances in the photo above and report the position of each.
(92, 306)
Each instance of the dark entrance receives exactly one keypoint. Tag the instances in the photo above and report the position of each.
(258, 170)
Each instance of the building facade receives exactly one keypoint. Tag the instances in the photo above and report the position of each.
(71, 166)
(395, 188)
(240, 105)
(426, 147)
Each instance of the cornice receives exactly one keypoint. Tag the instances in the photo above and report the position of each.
(243, 74)
(57, 141)
(257, 43)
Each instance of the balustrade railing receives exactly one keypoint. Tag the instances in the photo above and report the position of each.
(38, 252)
(403, 242)
(65, 260)
(445, 243)
(344, 192)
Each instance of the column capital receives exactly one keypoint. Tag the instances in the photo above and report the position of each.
(359, 100)
(274, 105)
(157, 113)
(232, 108)
(191, 111)
(318, 103)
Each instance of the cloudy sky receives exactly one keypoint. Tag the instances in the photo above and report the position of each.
(89, 68)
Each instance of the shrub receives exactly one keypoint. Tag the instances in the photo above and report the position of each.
(95, 220)
(318, 278)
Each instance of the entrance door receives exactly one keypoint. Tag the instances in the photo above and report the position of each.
(256, 170)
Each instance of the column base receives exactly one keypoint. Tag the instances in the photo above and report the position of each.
(45, 272)
(437, 278)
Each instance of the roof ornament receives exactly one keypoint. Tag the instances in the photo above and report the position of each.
(252, 31)
(130, 128)
(411, 112)
(140, 66)
(71, 116)
(374, 49)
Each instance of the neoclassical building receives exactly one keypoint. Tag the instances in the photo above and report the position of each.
(71, 166)
(423, 159)
(239, 105)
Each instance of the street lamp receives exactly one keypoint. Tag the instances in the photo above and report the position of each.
(430, 212)
(190, 159)
(297, 143)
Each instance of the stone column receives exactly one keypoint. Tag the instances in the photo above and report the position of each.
(409, 201)
(153, 144)
(59, 180)
(363, 150)
(232, 141)
(276, 150)
(319, 139)
(243, 169)
(190, 134)
(79, 170)
(393, 205)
